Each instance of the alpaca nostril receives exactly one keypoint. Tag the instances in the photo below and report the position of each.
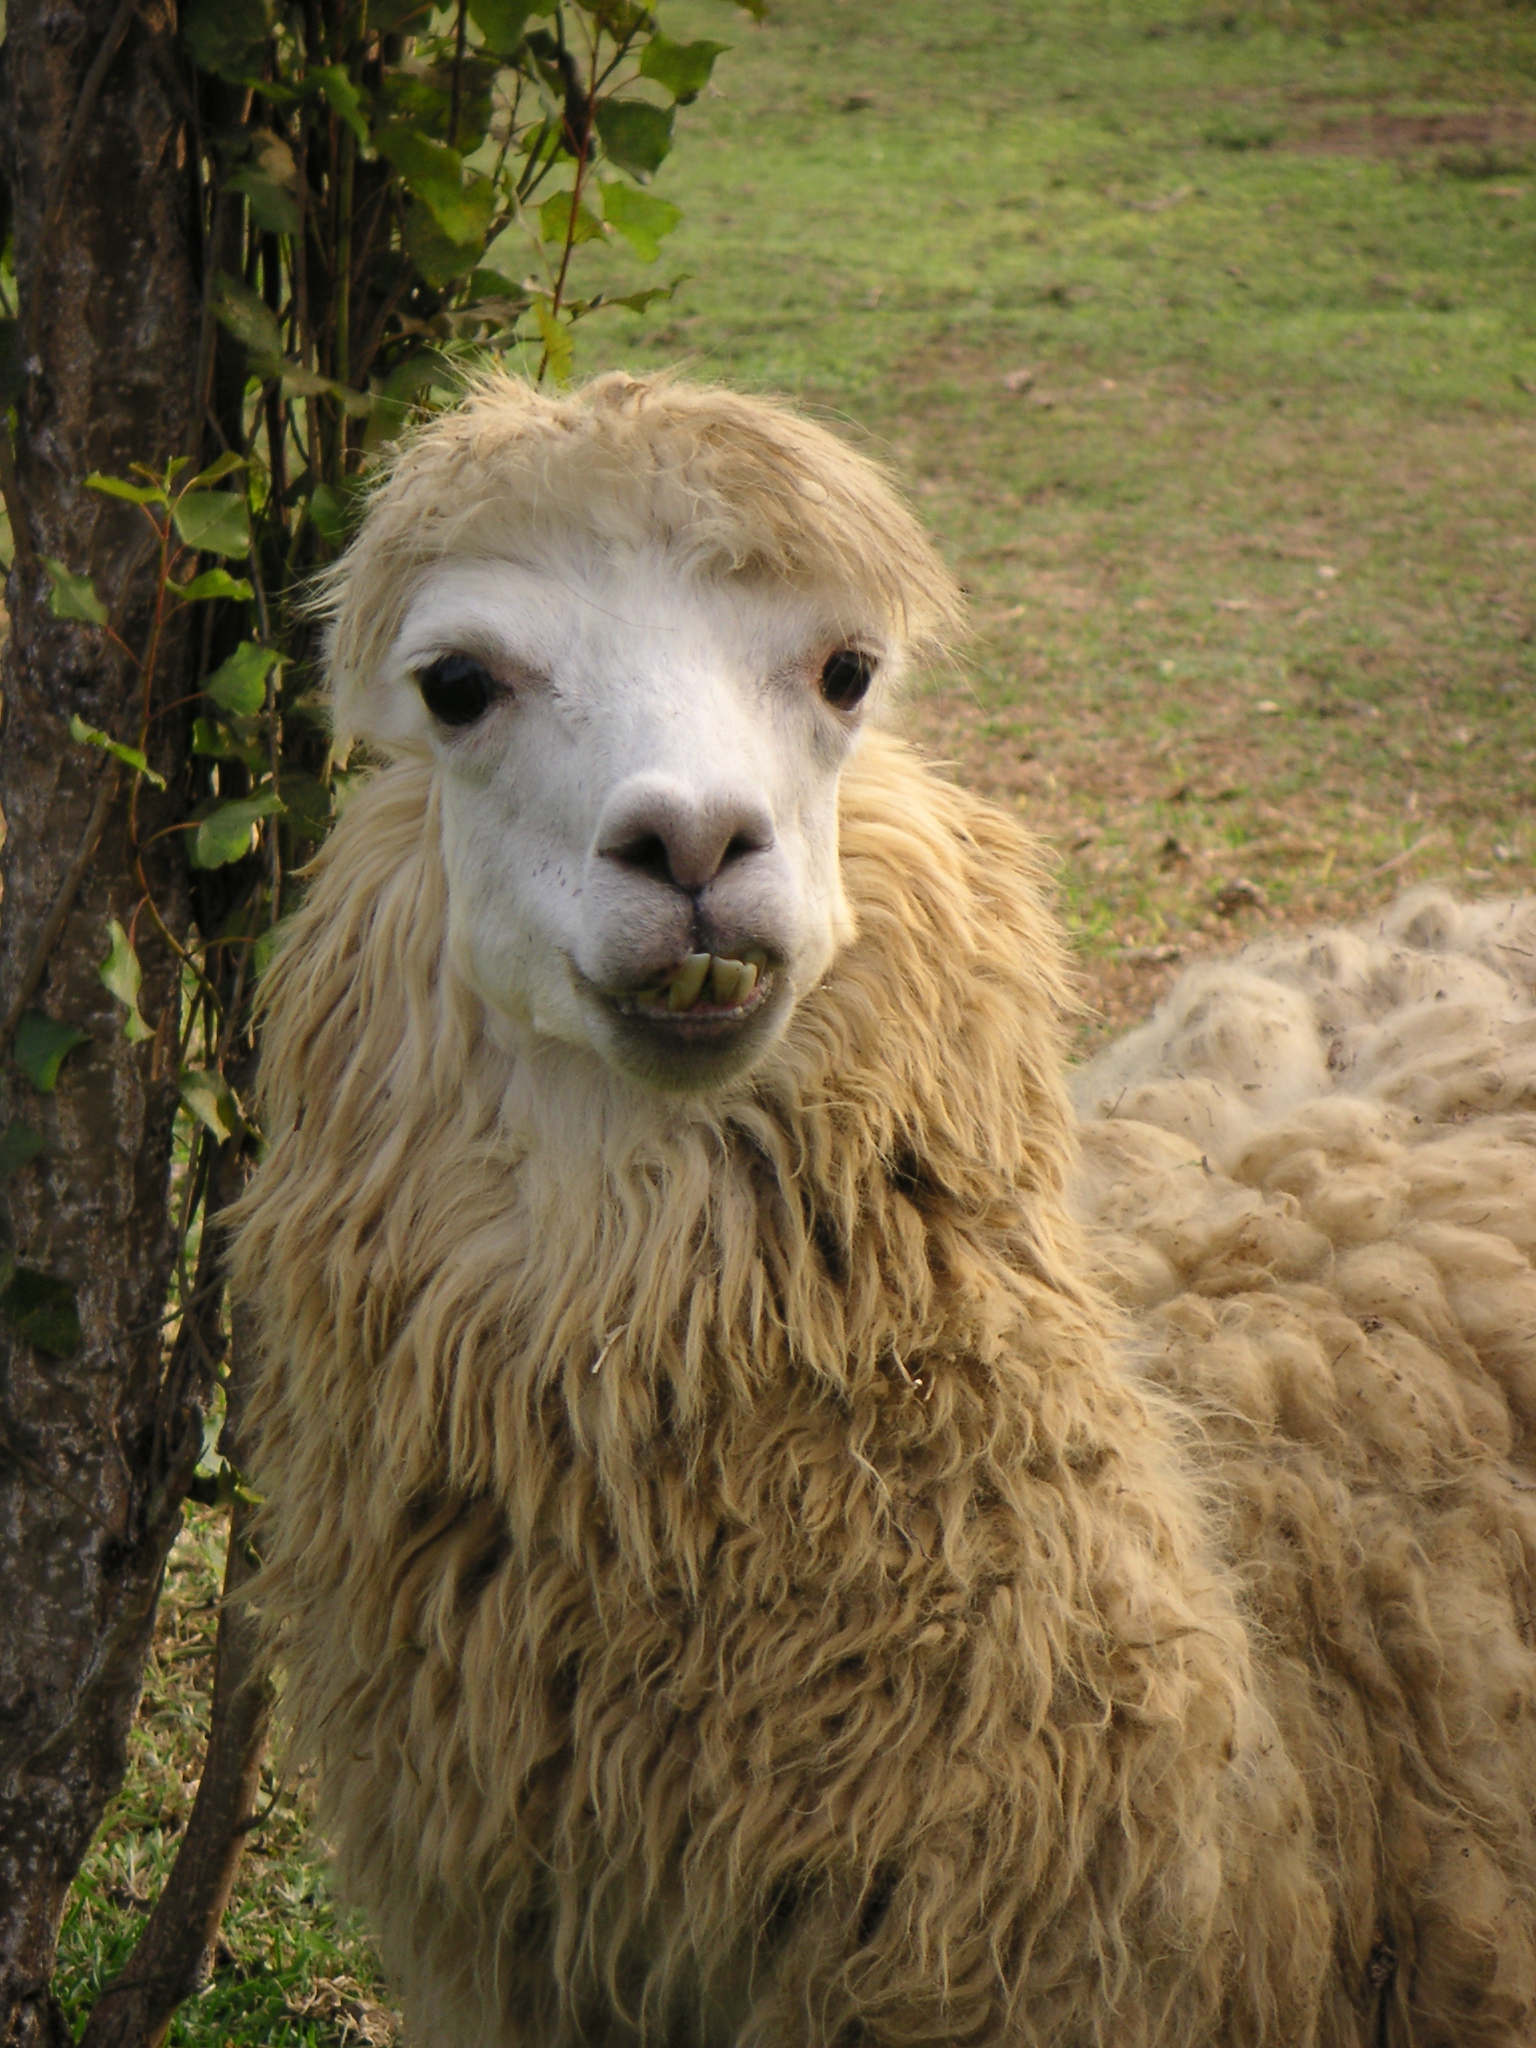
(647, 854)
(682, 843)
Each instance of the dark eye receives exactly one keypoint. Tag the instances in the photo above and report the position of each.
(846, 677)
(456, 689)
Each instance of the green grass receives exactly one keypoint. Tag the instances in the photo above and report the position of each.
(872, 180)
(1266, 281)
(1269, 278)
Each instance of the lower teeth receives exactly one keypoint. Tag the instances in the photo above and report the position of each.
(729, 983)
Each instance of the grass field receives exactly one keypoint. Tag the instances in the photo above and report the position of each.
(1206, 340)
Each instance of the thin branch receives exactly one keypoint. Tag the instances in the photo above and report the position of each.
(537, 166)
(583, 153)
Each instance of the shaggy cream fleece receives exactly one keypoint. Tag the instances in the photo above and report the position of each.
(853, 1558)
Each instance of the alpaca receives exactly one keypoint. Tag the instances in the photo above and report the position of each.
(784, 1533)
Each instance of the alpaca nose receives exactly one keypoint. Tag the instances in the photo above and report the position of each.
(682, 837)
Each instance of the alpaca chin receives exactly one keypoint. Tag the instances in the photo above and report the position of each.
(686, 1056)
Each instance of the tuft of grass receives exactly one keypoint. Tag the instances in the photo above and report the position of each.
(1203, 337)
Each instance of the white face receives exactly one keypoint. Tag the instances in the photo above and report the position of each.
(639, 772)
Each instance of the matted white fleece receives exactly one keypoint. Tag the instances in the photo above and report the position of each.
(1310, 1182)
(1312, 1096)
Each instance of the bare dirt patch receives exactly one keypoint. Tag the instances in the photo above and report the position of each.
(1490, 143)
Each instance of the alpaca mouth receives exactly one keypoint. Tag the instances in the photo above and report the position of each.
(708, 993)
(712, 1018)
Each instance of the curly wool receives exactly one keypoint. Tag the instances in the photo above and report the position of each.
(1311, 1179)
(743, 1578)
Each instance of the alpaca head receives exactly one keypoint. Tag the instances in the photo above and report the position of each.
(635, 632)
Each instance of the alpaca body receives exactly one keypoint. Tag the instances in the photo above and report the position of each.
(861, 1639)
(845, 1647)
(1311, 1180)
(746, 1582)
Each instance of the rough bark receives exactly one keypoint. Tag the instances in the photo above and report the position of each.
(96, 1449)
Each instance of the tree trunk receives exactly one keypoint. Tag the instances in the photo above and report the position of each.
(96, 1448)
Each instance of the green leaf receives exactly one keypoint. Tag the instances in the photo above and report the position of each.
(42, 1046)
(225, 834)
(555, 220)
(421, 382)
(217, 741)
(621, 18)
(681, 69)
(640, 218)
(307, 802)
(273, 205)
(543, 145)
(221, 1485)
(501, 22)
(240, 684)
(270, 182)
(248, 317)
(121, 977)
(434, 174)
(346, 97)
(441, 261)
(41, 1310)
(559, 348)
(268, 946)
(89, 736)
(225, 36)
(422, 100)
(215, 522)
(221, 467)
(212, 583)
(73, 597)
(119, 487)
(638, 301)
(310, 384)
(636, 135)
(272, 208)
(18, 1147)
(426, 370)
(212, 1101)
(336, 508)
